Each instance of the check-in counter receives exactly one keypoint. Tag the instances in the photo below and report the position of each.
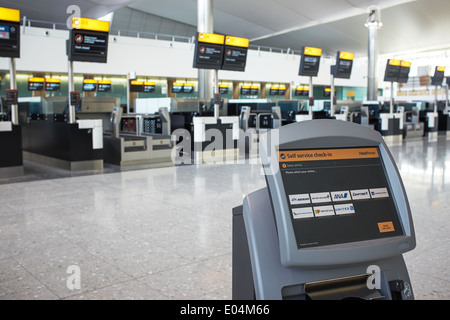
(49, 138)
(11, 162)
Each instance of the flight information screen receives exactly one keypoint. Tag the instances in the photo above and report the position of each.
(9, 39)
(88, 46)
(338, 196)
(309, 66)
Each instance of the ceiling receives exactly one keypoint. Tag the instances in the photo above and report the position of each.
(408, 25)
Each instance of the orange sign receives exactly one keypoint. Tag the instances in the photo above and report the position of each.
(327, 154)
(386, 226)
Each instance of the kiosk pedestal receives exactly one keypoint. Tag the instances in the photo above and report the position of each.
(431, 126)
(332, 223)
(11, 163)
(391, 127)
(444, 124)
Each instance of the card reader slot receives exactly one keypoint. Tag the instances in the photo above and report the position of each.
(347, 288)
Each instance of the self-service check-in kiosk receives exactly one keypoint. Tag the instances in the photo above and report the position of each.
(332, 223)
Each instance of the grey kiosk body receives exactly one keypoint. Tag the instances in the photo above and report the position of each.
(332, 223)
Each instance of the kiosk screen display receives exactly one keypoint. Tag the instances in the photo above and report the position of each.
(9, 39)
(338, 196)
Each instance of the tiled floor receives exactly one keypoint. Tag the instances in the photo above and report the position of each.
(166, 233)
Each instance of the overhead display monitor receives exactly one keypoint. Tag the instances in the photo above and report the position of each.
(254, 90)
(188, 88)
(89, 85)
(104, 86)
(327, 92)
(52, 84)
(177, 87)
(282, 90)
(392, 71)
(36, 84)
(88, 40)
(223, 88)
(274, 90)
(310, 61)
(149, 86)
(245, 89)
(438, 76)
(9, 33)
(298, 91)
(136, 86)
(343, 67)
(405, 66)
(209, 50)
(235, 56)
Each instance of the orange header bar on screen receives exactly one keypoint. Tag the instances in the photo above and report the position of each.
(327, 154)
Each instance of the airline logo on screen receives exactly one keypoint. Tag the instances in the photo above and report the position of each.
(327, 154)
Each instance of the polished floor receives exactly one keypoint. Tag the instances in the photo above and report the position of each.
(165, 233)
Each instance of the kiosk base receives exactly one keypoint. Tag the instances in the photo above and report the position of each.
(257, 272)
(11, 172)
(84, 165)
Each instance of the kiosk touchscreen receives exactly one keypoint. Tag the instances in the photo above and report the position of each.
(334, 209)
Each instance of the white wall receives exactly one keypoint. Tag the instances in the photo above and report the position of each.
(157, 58)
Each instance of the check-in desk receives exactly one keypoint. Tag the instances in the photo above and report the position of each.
(130, 139)
(48, 137)
(11, 162)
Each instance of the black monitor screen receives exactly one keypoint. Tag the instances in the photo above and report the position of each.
(343, 69)
(88, 46)
(223, 90)
(309, 66)
(245, 90)
(234, 58)
(136, 87)
(299, 92)
(392, 72)
(177, 88)
(89, 87)
(188, 89)
(9, 39)
(149, 88)
(404, 75)
(330, 203)
(254, 91)
(35, 85)
(52, 86)
(438, 77)
(104, 87)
